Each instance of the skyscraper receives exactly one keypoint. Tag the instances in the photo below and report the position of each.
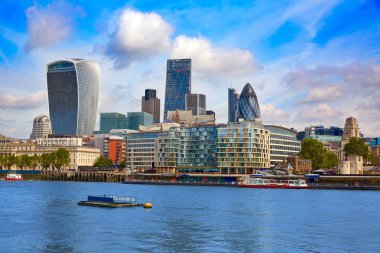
(233, 99)
(195, 103)
(135, 119)
(73, 91)
(178, 84)
(151, 104)
(41, 127)
(248, 106)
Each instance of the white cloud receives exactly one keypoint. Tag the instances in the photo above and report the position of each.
(23, 102)
(271, 114)
(318, 95)
(138, 36)
(50, 25)
(318, 113)
(210, 60)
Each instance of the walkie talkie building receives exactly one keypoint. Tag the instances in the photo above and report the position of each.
(73, 92)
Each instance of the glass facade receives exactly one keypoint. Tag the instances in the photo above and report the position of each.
(332, 134)
(283, 143)
(112, 120)
(248, 106)
(196, 103)
(73, 92)
(141, 151)
(135, 119)
(178, 84)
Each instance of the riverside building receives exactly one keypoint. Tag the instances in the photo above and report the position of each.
(178, 84)
(283, 143)
(243, 148)
(73, 93)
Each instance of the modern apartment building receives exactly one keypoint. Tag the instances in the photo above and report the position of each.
(243, 148)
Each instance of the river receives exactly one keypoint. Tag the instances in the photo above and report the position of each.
(44, 217)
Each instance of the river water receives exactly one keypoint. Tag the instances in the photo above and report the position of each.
(44, 217)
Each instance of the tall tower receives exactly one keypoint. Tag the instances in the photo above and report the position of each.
(178, 84)
(233, 99)
(248, 106)
(73, 91)
(195, 103)
(351, 129)
(41, 127)
(151, 104)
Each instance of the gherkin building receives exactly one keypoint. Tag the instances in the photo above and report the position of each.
(248, 106)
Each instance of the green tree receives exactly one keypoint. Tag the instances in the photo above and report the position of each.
(25, 161)
(46, 160)
(357, 146)
(315, 151)
(61, 158)
(123, 164)
(34, 161)
(103, 162)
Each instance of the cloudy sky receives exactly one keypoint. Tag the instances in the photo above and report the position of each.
(310, 62)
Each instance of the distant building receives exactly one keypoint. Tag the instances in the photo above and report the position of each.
(178, 84)
(332, 134)
(79, 155)
(73, 92)
(137, 119)
(245, 106)
(111, 147)
(141, 151)
(243, 148)
(195, 103)
(41, 127)
(350, 164)
(151, 104)
(297, 165)
(372, 141)
(233, 100)
(112, 120)
(60, 141)
(283, 143)
(187, 118)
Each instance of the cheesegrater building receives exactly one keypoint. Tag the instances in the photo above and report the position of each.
(73, 92)
(178, 84)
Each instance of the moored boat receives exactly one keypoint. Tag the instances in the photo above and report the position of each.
(259, 182)
(13, 177)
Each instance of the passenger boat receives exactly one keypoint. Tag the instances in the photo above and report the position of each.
(13, 177)
(258, 182)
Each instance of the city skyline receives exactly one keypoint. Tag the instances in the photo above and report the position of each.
(310, 63)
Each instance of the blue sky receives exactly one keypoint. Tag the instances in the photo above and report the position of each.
(310, 62)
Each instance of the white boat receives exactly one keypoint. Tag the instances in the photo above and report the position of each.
(259, 182)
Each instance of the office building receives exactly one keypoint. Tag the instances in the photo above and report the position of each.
(151, 104)
(178, 84)
(112, 120)
(73, 92)
(283, 143)
(195, 103)
(137, 119)
(188, 119)
(233, 100)
(41, 127)
(248, 105)
(141, 151)
(332, 134)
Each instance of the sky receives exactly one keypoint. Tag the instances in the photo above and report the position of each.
(312, 62)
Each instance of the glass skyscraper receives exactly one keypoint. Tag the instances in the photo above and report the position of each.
(248, 108)
(73, 92)
(178, 84)
(233, 99)
(112, 120)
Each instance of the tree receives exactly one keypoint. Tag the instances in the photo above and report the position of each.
(61, 158)
(321, 158)
(357, 147)
(123, 164)
(25, 161)
(46, 161)
(103, 162)
(34, 161)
